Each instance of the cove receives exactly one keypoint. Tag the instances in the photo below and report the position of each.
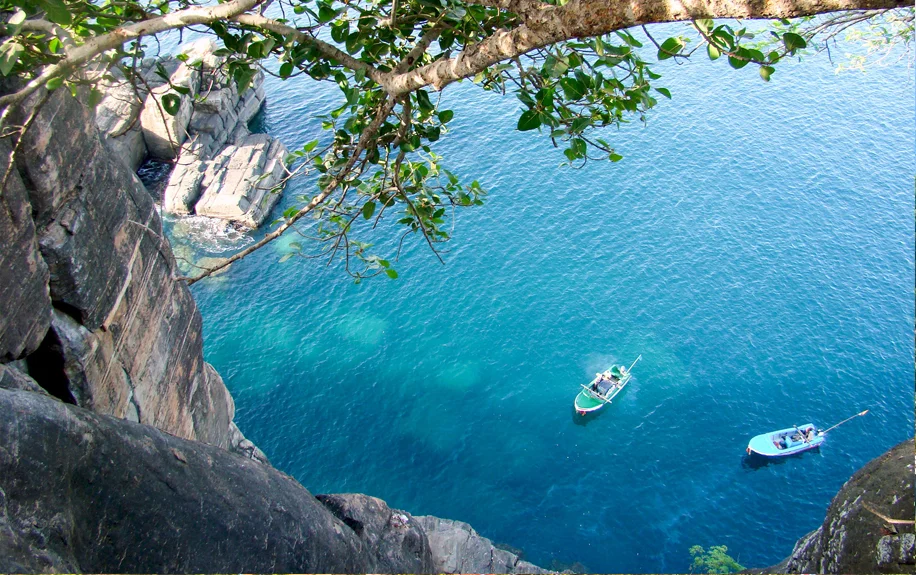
(755, 245)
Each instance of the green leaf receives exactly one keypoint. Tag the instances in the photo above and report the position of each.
(664, 92)
(310, 146)
(704, 24)
(286, 69)
(736, 63)
(171, 103)
(14, 24)
(9, 55)
(765, 72)
(572, 88)
(445, 116)
(95, 96)
(56, 11)
(340, 32)
(423, 101)
(529, 121)
(290, 212)
(54, 45)
(368, 210)
(713, 52)
(793, 42)
(670, 48)
(54, 83)
(326, 13)
(579, 147)
(391, 273)
(615, 157)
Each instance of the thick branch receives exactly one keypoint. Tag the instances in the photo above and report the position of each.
(587, 18)
(92, 48)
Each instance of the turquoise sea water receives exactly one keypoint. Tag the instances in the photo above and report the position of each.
(756, 246)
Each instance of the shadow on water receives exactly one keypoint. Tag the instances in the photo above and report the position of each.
(756, 461)
(584, 420)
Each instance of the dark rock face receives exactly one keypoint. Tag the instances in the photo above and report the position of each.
(115, 496)
(23, 273)
(854, 538)
(396, 542)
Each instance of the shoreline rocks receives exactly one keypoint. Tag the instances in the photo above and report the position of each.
(207, 136)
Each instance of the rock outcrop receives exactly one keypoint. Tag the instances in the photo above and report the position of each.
(238, 174)
(82, 234)
(240, 184)
(856, 536)
(23, 272)
(457, 548)
(396, 540)
(80, 492)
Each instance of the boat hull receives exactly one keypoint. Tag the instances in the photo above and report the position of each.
(586, 402)
(780, 443)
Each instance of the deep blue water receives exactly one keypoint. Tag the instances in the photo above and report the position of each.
(756, 246)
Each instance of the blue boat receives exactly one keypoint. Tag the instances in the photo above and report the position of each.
(792, 440)
(786, 441)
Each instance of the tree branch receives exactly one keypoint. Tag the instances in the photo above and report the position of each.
(367, 136)
(92, 48)
(588, 18)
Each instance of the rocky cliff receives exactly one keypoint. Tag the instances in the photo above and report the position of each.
(118, 451)
(91, 312)
(869, 524)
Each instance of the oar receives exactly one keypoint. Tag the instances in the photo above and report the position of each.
(842, 422)
(634, 363)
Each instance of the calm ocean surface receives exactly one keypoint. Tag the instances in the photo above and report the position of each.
(756, 246)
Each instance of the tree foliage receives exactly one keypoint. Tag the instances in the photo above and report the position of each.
(577, 68)
(715, 560)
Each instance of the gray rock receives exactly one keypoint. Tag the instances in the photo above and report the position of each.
(24, 275)
(11, 378)
(134, 348)
(239, 185)
(82, 492)
(118, 118)
(853, 538)
(84, 202)
(457, 548)
(164, 133)
(183, 188)
(395, 542)
(85, 363)
(216, 101)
